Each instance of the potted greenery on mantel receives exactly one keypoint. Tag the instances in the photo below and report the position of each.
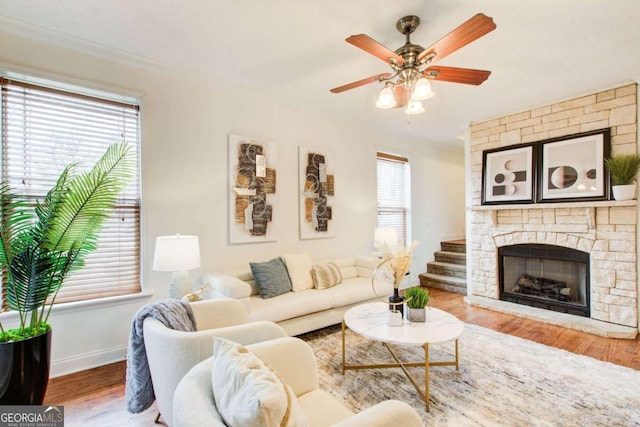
(39, 246)
(623, 170)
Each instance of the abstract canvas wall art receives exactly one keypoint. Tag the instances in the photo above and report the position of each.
(317, 189)
(508, 175)
(252, 190)
(572, 167)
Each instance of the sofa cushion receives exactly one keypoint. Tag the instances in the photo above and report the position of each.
(290, 305)
(299, 267)
(357, 290)
(247, 393)
(323, 410)
(347, 267)
(271, 277)
(326, 275)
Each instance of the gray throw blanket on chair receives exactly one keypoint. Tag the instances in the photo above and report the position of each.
(174, 314)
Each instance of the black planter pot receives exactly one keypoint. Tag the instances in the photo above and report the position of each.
(24, 370)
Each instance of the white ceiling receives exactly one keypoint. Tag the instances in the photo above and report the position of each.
(542, 51)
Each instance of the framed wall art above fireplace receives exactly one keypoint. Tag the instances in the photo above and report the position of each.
(508, 175)
(571, 168)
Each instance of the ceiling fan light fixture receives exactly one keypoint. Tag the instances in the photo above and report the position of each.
(386, 100)
(413, 65)
(414, 107)
(422, 90)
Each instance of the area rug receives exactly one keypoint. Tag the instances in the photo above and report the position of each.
(503, 381)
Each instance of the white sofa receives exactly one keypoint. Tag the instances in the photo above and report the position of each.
(293, 359)
(307, 310)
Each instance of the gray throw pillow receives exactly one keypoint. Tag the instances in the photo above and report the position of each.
(271, 277)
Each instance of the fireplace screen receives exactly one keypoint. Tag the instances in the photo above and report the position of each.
(545, 276)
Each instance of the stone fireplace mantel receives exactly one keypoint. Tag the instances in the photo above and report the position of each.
(606, 230)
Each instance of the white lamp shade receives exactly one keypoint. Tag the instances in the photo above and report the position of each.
(385, 236)
(176, 253)
(386, 100)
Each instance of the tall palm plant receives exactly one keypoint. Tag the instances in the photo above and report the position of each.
(41, 245)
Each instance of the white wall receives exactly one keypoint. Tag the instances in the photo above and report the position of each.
(185, 123)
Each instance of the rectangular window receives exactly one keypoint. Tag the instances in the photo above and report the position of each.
(394, 194)
(45, 127)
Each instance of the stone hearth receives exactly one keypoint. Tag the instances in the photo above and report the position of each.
(606, 230)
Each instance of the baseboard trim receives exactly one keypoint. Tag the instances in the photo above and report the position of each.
(70, 365)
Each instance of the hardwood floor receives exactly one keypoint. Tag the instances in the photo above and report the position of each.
(96, 397)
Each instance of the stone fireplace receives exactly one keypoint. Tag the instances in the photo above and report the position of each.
(603, 234)
(545, 276)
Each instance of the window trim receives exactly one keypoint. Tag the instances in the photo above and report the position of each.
(406, 210)
(106, 97)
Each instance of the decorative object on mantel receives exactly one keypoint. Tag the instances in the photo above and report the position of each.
(565, 169)
(252, 192)
(417, 301)
(411, 63)
(623, 170)
(177, 254)
(571, 168)
(317, 189)
(508, 175)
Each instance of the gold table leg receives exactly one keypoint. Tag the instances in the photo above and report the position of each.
(343, 359)
(426, 364)
(426, 376)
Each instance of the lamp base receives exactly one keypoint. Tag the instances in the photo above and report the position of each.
(180, 284)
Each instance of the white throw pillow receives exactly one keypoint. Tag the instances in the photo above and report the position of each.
(249, 394)
(299, 267)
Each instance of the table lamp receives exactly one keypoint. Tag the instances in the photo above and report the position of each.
(177, 254)
(385, 238)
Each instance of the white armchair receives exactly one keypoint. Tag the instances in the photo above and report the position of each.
(294, 361)
(172, 353)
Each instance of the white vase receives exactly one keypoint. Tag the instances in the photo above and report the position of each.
(624, 192)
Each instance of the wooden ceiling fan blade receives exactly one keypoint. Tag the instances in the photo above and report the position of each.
(371, 46)
(359, 83)
(457, 75)
(471, 30)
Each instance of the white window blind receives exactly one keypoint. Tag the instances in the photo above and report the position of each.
(45, 129)
(393, 193)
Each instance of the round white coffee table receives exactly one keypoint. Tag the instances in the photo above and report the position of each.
(370, 321)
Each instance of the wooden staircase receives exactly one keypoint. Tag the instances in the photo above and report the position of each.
(449, 270)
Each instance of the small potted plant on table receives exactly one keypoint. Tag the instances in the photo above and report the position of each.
(417, 300)
(623, 170)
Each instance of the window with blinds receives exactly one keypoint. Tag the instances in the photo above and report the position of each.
(394, 194)
(47, 127)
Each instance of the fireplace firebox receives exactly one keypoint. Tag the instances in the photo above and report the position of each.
(545, 276)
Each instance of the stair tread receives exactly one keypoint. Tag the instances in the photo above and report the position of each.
(447, 279)
(460, 242)
(459, 267)
(451, 254)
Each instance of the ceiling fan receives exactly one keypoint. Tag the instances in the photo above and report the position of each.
(412, 64)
